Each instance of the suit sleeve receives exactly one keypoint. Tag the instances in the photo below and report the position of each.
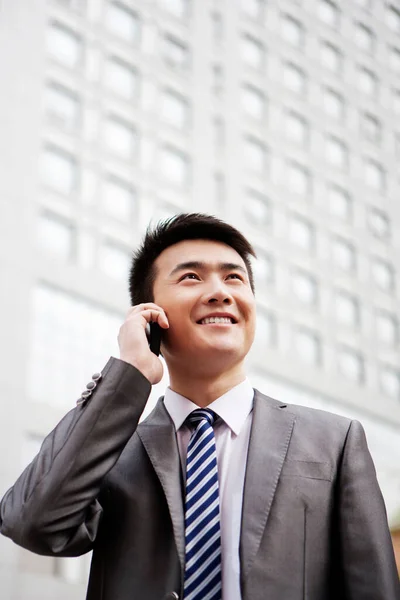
(368, 565)
(54, 508)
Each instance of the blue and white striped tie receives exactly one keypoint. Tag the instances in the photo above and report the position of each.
(202, 515)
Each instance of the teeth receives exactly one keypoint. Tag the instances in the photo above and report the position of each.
(217, 320)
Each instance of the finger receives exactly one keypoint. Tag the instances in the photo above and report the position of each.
(153, 316)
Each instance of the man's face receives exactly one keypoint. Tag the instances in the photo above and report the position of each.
(204, 288)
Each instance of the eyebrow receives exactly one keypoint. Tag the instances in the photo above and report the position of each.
(196, 264)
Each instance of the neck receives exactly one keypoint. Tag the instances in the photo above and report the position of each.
(202, 389)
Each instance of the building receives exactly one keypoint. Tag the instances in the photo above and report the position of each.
(281, 117)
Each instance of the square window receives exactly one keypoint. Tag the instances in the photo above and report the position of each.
(383, 274)
(395, 60)
(375, 176)
(294, 78)
(396, 101)
(59, 170)
(302, 233)
(62, 106)
(367, 82)
(219, 133)
(379, 224)
(340, 204)
(257, 208)
(387, 328)
(123, 22)
(56, 236)
(217, 25)
(118, 199)
(121, 78)
(292, 31)
(371, 128)
(304, 287)
(393, 18)
(344, 255)
(328, 13)
(347, 309)
(218, 79)
(65, 45)
(174, 109)
(176, 53)
(253, 102)
(120, 137)
(255, 155)
(175, 166)
(351, 365)
(263, 268)
(266, 329)
(336, 153)
(364, 38)
(115, 260)
(296, 128)
(308, 346)
(390, 382)
(253, 52)
(297, 179)
(178, 8)
(254, 8)
(333, 104)
(330, 57)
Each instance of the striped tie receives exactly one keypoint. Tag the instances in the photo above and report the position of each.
(202, 520)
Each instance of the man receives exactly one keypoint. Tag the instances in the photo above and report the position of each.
(221, 492)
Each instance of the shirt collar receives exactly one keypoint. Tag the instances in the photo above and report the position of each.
(233, 407)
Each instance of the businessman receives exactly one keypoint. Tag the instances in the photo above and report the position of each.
(222, 492)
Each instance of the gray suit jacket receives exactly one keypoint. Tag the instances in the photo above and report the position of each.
(313, 526)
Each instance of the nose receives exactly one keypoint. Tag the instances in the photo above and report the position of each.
(218, 294)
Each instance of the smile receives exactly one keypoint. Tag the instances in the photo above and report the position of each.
(209, 320)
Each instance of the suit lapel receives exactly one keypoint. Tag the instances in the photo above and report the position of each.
(269, 440)
(158, 436)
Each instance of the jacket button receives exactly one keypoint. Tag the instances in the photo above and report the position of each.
(91, 385)
(96, 376)
(172, 596)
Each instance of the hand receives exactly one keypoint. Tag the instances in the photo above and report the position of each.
(133, 343)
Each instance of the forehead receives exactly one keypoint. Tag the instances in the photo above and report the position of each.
(207, 251)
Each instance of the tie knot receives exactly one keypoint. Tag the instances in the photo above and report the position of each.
(199, 415)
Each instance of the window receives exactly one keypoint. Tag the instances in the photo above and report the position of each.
(297, 179)
(302, 233)
(175, 166)
(62, 106)
(218, 79)
(78, 5)
(292, 31)
(364, 38)
(120, 137)
(340, 204)
(296, 128)
(217, 27)
(395, 60)
(219, 133)
(347, 309)
(253, 8)
(114, 260)
(176, 54)
(330, 57)
(123, 22)
(336, 153)
(174, 109)
(263, 268)
(257, 208)
(367, 82)
(118, 199)
(379, 224)
(383, 274)
(64, 45)
(343, 254)
(219, 190)
(255, 155)
(56, 236)
(371, 128)
(328, 13)
(375, 176)
(308, 346)
(253, 101)
(351, 365)
(71, 337)
(179, 8)
(387, 328)
(390, 382)
(59, 170)
(396, 101)
(265, 330)
(253, 52)
(121, 78)
(393, 18)
(333, 104)
(304, 287)
(294, 78)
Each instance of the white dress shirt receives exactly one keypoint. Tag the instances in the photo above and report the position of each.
(232, 433)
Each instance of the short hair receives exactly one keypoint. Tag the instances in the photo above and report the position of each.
(184, 226)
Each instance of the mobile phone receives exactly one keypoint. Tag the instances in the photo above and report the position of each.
(155, 338)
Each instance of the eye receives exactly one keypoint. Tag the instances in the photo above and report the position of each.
(236, 275)
(189, 276)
